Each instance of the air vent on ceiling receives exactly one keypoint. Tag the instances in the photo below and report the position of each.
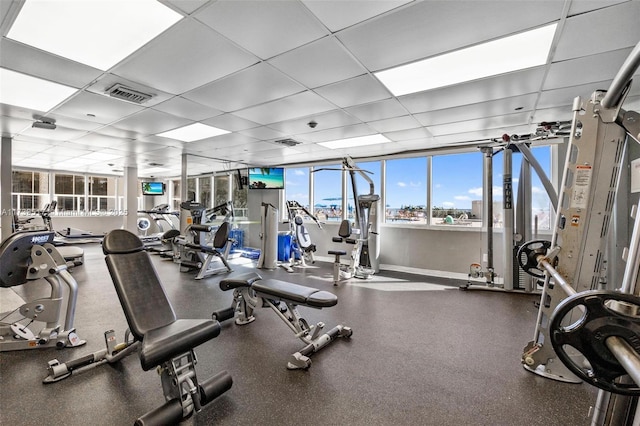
(127, 94)
(287, 142)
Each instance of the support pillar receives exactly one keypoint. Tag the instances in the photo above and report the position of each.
(131, 199)
(6, 208)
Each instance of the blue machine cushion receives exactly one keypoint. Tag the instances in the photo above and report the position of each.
(164, 343)
(242, 280)
(121, 241)
(295, 293)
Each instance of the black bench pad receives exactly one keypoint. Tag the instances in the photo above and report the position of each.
(203, 228)
(295, 293)
(242, 280)
(340, 252)
(164, 343)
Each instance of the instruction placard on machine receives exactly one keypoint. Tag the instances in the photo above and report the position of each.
(582, 182)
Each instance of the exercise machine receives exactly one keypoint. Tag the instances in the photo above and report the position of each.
(28, 256)
(302, 249)
(268, 258)
(593, 333)
(250, 292)
(165, 343)
(201, 244)
(364, 237)
(158, 242)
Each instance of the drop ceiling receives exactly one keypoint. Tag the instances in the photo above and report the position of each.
(264, 69)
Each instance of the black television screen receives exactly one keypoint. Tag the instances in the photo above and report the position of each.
(266, 178)
(152, 188)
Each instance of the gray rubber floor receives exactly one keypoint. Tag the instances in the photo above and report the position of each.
(421, 354)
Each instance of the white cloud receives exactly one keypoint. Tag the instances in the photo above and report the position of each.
(448, 204)
(299, 173)
(415, 184)
(401, 184)
(476, 191)
(537, 190)
(462, 198)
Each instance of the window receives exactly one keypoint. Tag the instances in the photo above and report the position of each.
(221, 189)
(102, 193)
(457, 189)
(296, 186)
(204, 191)
(69, 192)
(30, 190)
(175, 194)
(406, 190)
(372, 170)
(327, 193)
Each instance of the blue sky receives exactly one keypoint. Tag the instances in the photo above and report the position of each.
(457, 181)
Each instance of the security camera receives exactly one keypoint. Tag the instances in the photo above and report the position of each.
(312, 124)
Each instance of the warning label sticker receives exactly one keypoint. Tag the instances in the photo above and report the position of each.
(581, 185)
(575, 220)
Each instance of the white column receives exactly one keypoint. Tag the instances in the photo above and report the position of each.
(6, 207)
(130, 199)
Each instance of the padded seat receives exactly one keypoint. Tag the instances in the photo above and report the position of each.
(299, 294)
(164, 343)
(149, 313)
(202, 228)
(338, 252)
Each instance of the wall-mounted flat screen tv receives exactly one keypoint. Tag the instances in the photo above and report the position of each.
(152, 188)
(266, 178)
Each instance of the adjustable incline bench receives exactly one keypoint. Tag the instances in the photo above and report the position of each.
(250, 291)
(164, 341)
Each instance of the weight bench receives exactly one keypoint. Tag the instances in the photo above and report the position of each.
(250, 291)
(203, 254)
(164, 341)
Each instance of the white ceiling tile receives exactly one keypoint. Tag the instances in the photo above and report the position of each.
(230, 122)
(96, 140)
(429, 28)
(566, 95)
(552, 114)
(262, 133)
(595, 32)
(187, 6)
(254, 85)
(339, 14)
(308, 64)
(12, 125)
(582, 6)
(326, 120)
(478, 110)
(185, 57)
(38, 63)
(355, 91)
(265, 28)
(185, 108)
(104, 109)
(409, 134)
(503, 86)
(378, 110)
(338, 133)
(588, 69)
(298, 105)
(394, 124)
(151, 122)
(481, 124)
(59, 134)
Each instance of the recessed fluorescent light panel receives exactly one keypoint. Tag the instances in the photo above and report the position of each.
(517, 52)
(193, 132)
(29, 92)
(97, 33)
(354, 142)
